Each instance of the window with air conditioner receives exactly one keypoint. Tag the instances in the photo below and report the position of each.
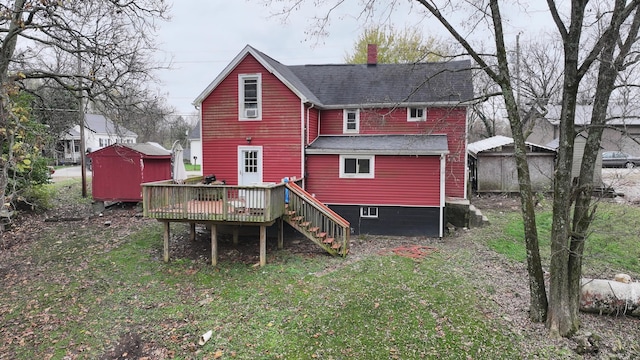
(250, 96)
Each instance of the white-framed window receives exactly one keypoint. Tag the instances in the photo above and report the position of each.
(357, 166)
(369, 212)
(351, 122)
(250, 97)
(416, 114)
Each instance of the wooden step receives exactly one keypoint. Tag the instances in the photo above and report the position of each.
(297, 218)
(336, 245)
(328, 240)
(291, 212)
(305, 224)
(321, 235)
(314, 229)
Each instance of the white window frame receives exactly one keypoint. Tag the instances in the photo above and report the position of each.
(417, 118)
(365, 212)
(242, 113)
(345, 114)
(369, 175)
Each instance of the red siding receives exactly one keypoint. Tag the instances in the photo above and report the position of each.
(313, 125)
(279, 131)
(399, 180)
(440, 120)
(117, 173)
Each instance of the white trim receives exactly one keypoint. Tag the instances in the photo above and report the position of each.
(345, 113)
(369, 175)
(416, 119)
(369, 216)
(303, 131)
(232, 65)
(443, 164)
(242, 111)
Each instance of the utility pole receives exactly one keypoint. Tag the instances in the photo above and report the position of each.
(80, 96)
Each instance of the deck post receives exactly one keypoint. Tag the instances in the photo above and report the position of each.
(166, 241)
(214, 245)
(236, 233)
(263, 245)
(192, 231)
(280, 233)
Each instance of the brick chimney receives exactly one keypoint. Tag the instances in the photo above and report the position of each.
(372, 54)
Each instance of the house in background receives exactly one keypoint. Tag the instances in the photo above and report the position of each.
(195, 145)
(99, 133)
(578, 152)
(621, 134)
(382, 145)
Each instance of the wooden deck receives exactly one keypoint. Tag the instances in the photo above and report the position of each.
(259, 205)
(196, 202)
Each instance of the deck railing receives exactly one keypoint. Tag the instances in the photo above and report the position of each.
(194, 201)
(326, 224)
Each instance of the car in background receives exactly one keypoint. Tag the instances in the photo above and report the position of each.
(619, 159)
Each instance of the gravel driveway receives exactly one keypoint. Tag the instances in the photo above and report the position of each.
(625, 182)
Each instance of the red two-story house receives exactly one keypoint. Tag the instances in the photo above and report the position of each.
(383, 145)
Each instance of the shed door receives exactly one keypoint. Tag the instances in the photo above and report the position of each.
(249, 165)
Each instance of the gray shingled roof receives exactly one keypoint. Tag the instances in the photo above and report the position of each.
(99, 124)
(344, 85)
(348, 85)
(380, 144)
(617, 114)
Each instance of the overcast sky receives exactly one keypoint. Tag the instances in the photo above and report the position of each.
(203, 36)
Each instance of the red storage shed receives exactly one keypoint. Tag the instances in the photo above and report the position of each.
(119, 169)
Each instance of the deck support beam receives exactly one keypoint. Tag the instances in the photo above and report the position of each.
(192, 231)
(214, 245)
(236, 234)
(263, 245)
(166, 241)
(280, 233)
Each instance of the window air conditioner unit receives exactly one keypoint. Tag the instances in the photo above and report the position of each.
(251, 113)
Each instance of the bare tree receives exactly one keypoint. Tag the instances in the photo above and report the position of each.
(98, 49)
(612, 31)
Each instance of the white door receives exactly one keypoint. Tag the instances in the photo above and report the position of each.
(249, 165)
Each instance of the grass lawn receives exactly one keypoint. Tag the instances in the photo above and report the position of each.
(89, 291)
(611, 245)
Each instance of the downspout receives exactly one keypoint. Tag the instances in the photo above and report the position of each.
(308, 113)
(303, 144)
(466, 153)
(443, 163)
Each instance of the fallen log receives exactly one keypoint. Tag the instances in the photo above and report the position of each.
(610, 297)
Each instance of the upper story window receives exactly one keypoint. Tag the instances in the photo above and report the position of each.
(351, 122)
(352, 166)
(416, 114)
(250, 97)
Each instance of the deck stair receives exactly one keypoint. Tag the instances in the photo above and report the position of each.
(316, 221)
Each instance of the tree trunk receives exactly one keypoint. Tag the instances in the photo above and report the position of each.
(538, 304)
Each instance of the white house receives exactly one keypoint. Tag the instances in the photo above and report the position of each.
(99, 132)
(195, 144)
